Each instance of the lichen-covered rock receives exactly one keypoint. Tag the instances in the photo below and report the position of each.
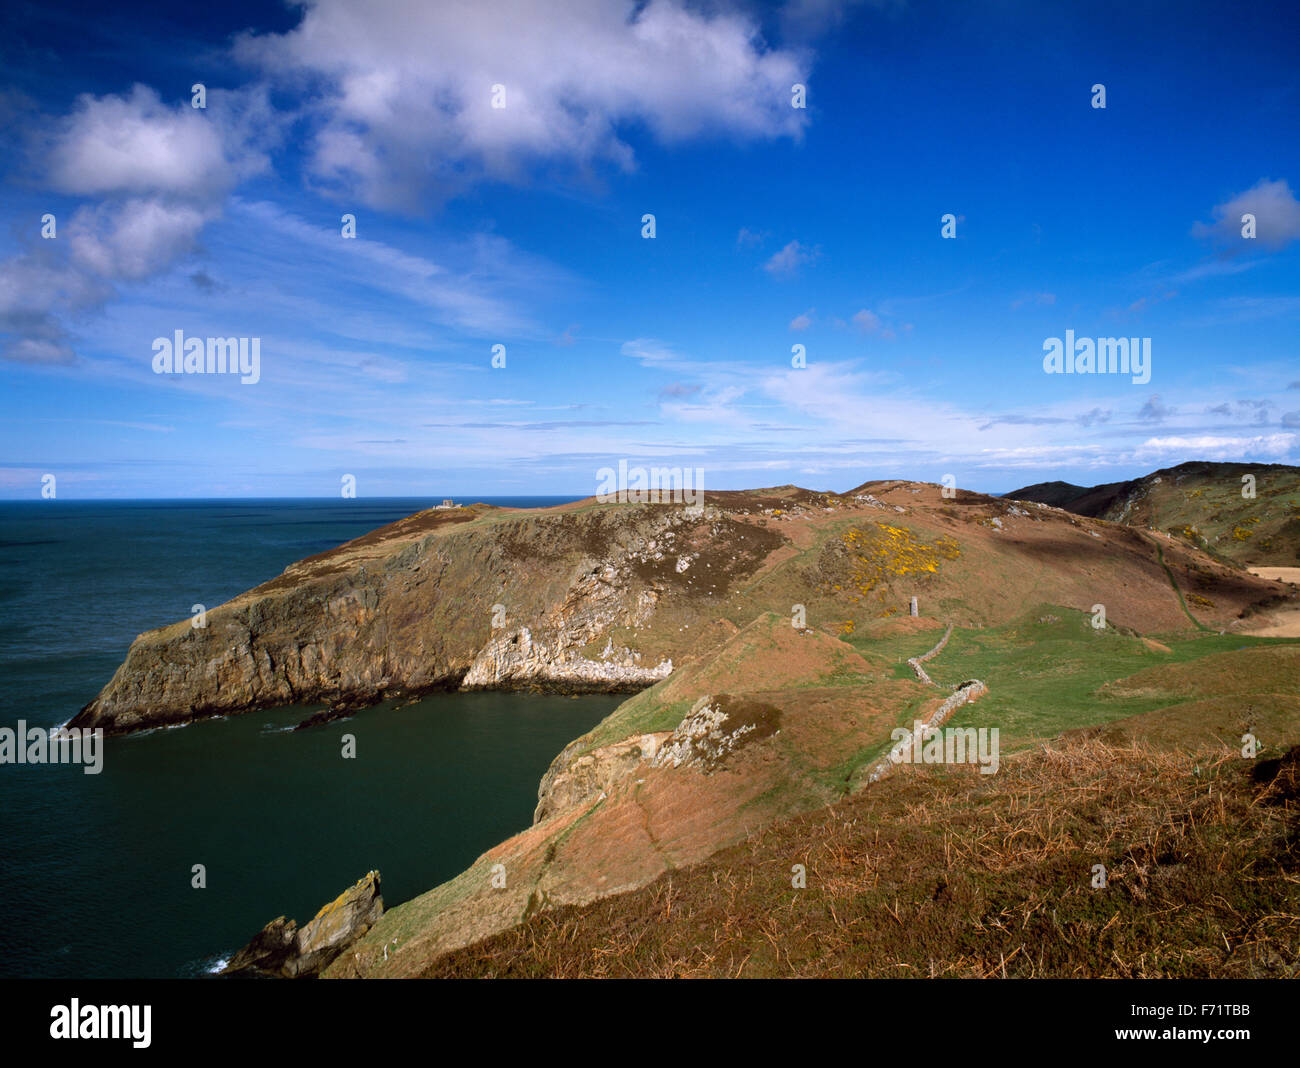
(570, 782)
(284, 950)
(714, 728)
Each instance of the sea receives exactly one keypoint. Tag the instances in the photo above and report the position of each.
(98, 873)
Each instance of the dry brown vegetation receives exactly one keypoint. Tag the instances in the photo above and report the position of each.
(945, 872)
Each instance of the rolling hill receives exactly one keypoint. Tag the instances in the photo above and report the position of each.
(1209, 505)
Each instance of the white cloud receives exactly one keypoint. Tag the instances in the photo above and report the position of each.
(1276, 211)
(1210, 447)
(866, 321)
(133, 240)
(34, 289)
(135, 145)
(161, 173)
(650, 351)
(790, 259)
(407, 113)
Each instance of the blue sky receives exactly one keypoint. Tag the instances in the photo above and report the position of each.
(521, 226)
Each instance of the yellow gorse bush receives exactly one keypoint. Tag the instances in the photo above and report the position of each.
(881, 552)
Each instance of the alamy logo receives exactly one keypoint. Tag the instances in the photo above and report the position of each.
(178, 355)
(53, 745)
(1104, 355)
(655, 485)
(76, 1020)
(925, 744)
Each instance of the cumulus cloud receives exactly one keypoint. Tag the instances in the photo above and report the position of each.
(870, 322)
(133, 240)
(803, 321)
(1276, 211)
(159, 173)
(1210, 447)
(35, 288)
(1256, 411)
(106, 245)
(135, 144)
(406, 112)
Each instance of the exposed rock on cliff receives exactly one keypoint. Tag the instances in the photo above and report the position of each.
(283, 950)
(572, 780)
(714, 728)
(517, 659)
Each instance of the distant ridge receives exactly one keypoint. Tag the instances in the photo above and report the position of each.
(1092, 501)
(1202, 502)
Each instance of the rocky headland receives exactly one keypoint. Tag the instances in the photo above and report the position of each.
(765, 641)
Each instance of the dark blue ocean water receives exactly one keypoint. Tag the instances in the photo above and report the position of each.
(95, 870)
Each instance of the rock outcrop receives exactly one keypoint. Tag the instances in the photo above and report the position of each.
(281, 949)
(714, 728)
(572, 780)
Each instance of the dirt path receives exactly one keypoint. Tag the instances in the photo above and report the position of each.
(1284, 622)
(1282, 574)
